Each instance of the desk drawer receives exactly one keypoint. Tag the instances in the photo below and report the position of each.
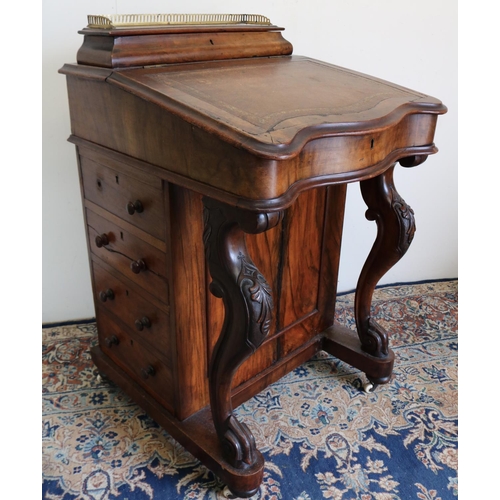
(149, 322)
(139, 261)
(136, 360)
(137, 202)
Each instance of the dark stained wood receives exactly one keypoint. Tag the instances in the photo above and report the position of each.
(274, 372)
(248, 304)
(131, 229)
(265, 251)
(344, 344)
(213, 187)
(396, 228)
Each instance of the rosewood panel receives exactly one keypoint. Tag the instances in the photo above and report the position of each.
(189, 300)
(303, 235)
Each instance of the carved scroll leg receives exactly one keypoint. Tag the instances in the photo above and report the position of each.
(395, 230)
(248, 309)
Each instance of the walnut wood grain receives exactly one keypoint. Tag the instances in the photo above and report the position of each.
(129, 51)
(128, 47)
(189, 297)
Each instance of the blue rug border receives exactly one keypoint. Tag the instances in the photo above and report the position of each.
(72, 322)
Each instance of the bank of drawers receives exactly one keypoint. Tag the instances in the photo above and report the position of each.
(134, 358)
(135, 259)
(125, 214)
(133, 197)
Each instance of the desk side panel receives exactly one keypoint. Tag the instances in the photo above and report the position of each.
(291, 257)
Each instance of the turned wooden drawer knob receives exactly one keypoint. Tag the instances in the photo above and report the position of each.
(111, 340)
(142, 323)
(137, 266)
(107, 294)
(135, 207)
(101, 240)
(147, 372)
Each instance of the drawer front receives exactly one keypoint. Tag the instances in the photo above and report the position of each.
(139, 261)
(149, 322)
(136, 360)
(139, 203)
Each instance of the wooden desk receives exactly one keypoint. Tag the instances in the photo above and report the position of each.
(213, 166)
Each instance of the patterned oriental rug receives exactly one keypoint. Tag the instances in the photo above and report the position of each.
(320, 434)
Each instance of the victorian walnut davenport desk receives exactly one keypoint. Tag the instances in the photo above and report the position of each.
(214, 165)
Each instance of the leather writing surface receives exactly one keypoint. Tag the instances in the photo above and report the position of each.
(272, 99)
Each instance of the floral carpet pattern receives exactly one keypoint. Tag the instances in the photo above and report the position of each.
(320, 434)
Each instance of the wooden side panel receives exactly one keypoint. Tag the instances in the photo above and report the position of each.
(330, 257)
(302, 256)
(264, 249)
(289, 257)
(189, 300)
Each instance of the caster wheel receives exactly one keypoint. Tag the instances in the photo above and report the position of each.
(226, 493)
(369, 387)
(101, 378)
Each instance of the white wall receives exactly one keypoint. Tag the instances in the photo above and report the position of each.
(410, 43)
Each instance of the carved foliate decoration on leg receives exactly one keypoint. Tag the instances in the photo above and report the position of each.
(395, 230)
(258, 292)
(406, 220)
(248, 308)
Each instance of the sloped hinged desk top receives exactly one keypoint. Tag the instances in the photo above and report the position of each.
(284, 123)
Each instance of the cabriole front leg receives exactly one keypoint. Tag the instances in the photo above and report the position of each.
(248, 307)
(395, 230)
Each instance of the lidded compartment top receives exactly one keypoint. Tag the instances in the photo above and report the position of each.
(136, 40)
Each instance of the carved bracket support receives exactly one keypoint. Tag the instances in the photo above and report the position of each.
(248, 307)
(412, 161)
(395, 230)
